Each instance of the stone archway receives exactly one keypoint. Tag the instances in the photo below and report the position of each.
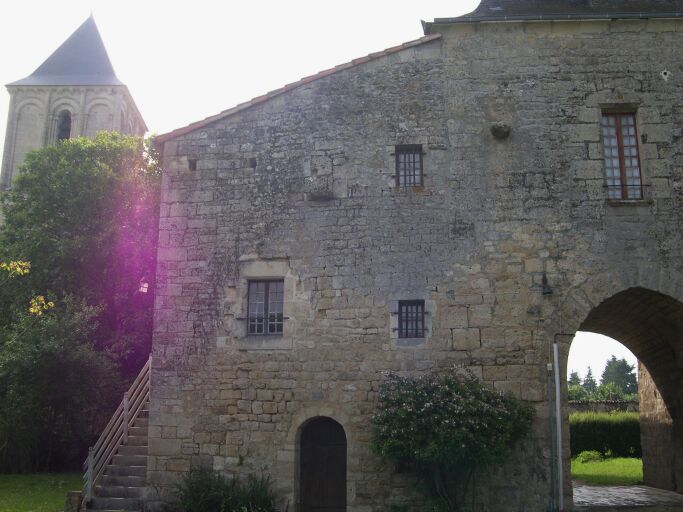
(650, 324)
(322, 466)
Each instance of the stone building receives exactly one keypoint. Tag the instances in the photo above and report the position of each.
(74, 92)
(468, 198)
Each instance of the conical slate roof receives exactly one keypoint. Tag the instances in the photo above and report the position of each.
(80, 60)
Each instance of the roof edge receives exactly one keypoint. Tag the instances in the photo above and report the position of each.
(550, 17)
(161, 139)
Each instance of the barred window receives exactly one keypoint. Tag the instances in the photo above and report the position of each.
(409, 166)
(264, 314)
(620, 154)
(411, 319)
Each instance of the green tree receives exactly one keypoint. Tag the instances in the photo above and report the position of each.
(576, 392)
(443, 424)
(574, 378)
(56, 390)
(621, 374)
(589, 383)
(77, 322)
(609, 391)
(84, 213)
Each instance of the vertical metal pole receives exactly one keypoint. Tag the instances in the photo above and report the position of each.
(551, 434)
(125, 417)
(89, 484)
(558, 418)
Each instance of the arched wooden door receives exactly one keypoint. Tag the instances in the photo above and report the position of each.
(323, 466)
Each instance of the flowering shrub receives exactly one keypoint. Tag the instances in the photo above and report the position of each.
(442, 425)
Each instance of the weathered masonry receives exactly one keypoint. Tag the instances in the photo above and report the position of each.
(467, 198)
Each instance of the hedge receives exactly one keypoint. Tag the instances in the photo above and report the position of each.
(616, 434)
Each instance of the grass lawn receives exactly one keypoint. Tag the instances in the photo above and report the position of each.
(616, 471)
(42, 492)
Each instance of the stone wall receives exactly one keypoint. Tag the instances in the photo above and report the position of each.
(656, 434)
(301, 187)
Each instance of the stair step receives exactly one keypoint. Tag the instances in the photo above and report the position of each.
(115, 503)
(129, 460)
(123, 470)
(124, 480)
(137, 440)
(132, 450)
(141, 422)
(137, 432)
(118, 491)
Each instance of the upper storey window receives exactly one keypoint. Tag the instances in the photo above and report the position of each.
(411, 319)
(264, 315)
(409, 166)
(64, 125)
(620, 154)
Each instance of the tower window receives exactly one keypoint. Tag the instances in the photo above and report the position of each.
(64, 125)
(620, 154)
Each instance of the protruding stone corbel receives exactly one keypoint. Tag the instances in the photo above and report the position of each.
(501, 130)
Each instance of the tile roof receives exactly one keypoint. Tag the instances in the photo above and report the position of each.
(502, 10)
(81, 60)
(160, 139)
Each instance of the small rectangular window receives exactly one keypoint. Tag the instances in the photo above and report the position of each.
(411, 319)
(264, 315)
(409, 166)
(620, 155)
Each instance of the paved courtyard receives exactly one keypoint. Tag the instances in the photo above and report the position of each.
(588, 497)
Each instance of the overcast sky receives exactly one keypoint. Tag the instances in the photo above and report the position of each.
(184, 61)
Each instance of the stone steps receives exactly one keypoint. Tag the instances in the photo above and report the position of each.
(122, 485)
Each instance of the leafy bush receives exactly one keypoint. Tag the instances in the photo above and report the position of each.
(589, 456)
(203, 490)
(617, 433)
(443, 424)
(51, 378)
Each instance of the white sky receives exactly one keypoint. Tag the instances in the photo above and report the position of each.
(590, 349)
(184, 61)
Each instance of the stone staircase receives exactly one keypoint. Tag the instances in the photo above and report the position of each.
(122, 483)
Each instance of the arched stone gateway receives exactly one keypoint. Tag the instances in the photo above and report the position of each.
(650, 324)
(322, 466)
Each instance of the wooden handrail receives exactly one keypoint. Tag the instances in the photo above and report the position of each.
(115, 433)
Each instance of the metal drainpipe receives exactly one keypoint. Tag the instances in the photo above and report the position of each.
(558, 420)
(551, 433)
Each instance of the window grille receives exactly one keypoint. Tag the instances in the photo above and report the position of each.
(411, 319)
(409, 166)
(264, 316)
(620, 154)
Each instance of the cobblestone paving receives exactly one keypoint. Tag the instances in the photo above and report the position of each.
(593, 496)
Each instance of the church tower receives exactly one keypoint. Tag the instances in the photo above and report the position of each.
(74, 92)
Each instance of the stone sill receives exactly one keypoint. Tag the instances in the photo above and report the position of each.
(409, 342)
(265, 343)
(629, 202)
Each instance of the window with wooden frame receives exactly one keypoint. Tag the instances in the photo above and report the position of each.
(264, 313)
(411, 319)
(620, 155)
(409, 166)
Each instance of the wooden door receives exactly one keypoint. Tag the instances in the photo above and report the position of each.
(323, 466)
